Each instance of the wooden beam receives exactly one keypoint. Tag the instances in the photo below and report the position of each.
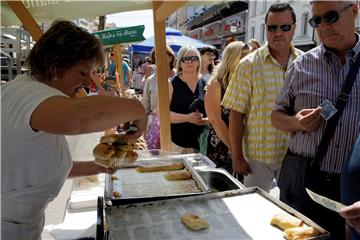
(162, 71)
(25, 17)
(166, 8)
(120, 84)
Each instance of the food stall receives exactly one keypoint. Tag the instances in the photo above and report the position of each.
(158, 207)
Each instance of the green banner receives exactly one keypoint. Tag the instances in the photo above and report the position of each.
(121, 35)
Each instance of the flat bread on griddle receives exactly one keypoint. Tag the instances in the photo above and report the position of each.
(298, 233)
(171, 167)
(285, 221)
(194, 222)
(178, 175)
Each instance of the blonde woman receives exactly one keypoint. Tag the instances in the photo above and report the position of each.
(185, 89)
(218, 147)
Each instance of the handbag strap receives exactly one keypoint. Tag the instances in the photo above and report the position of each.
(340, 105)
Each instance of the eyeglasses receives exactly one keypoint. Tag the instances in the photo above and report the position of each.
(328, 17)
(284, 27)
(189, 59)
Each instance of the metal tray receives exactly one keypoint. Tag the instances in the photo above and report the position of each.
(238, 214)
(141, 187)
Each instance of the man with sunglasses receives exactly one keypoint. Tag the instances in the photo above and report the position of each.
(315, 79)
(250, 97)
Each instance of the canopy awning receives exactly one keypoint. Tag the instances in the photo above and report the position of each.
(48, 11)
(33, 13)
(174, 38)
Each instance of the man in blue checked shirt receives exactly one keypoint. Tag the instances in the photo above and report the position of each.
(313, 78)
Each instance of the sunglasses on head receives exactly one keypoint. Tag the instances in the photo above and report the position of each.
(189, 59)
(328, 17)
(284, 27)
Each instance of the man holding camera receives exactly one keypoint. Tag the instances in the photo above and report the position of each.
(257, 147)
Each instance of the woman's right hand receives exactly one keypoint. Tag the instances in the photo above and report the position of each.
(197, 119)
(241, 166)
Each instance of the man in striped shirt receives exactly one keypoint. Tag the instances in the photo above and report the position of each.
(257, 147)
(314, 77)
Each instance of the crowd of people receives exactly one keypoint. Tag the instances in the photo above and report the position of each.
(265, 114)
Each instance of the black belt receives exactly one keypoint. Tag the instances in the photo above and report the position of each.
(327, 176)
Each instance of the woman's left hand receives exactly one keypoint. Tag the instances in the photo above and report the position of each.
(109, 170)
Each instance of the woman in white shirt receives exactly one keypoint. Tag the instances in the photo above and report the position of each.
(38, 109)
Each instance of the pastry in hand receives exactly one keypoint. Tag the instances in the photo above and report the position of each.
(194, 222)
(285, 221)
(298, 233)
(113, 138)
(178, 175)
(171, 167)
(104, 151)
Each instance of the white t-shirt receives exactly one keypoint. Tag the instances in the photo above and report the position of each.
(34, 165)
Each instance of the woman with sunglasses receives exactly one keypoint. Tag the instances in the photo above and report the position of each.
(186, 91)
(218, 143)
(316, 79)
(38, 109)
(208, 55)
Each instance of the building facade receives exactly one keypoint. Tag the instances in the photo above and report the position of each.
(243, 20)
(212, 23)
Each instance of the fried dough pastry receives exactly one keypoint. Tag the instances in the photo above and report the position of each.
(178, 175)
(298, 233)
(171, 167)
(194, 222)
(285, 221)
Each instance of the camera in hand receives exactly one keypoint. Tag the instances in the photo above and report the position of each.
(198, 104)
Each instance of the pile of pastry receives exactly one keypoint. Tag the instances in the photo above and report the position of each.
(114, 151)
(293, 227)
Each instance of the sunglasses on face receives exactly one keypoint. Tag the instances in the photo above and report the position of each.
(328, 17)
(284, 27)
(189, 59)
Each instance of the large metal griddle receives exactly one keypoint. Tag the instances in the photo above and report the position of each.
(238, 214)
(142, 187)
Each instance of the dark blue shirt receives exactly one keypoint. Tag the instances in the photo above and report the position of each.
(350, 182)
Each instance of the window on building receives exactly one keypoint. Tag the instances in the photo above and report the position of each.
(263, 6)
(252, 33)
(305, 25)
(262, 33)
(253, 8)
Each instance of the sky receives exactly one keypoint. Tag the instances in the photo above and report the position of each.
(134, 18)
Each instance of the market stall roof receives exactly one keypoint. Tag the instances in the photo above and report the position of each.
(175, 39)
(44, 11)
(48, 11)
(31, 13)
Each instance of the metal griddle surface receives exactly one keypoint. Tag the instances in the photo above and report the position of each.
(134, 185)
(243, 215)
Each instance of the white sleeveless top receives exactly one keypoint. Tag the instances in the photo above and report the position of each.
(35, 165)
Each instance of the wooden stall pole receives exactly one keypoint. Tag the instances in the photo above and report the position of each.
(120, 84)
(25, 17)
(162, 80)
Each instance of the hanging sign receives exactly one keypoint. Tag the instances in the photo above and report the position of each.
(121, 35)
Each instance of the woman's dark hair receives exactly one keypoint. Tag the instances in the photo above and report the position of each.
(280, 7)
(61, 47)
(209, 49)
(170, 52)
